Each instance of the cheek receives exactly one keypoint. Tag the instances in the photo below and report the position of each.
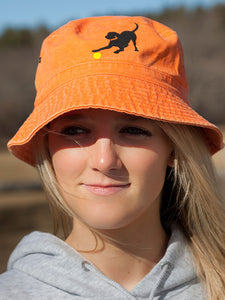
(147, 171)
(68, 162)
(67, 166)
(144, 162)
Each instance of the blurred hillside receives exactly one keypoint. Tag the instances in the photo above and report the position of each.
(202, 33)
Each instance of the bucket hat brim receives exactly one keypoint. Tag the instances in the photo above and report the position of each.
(113, 92)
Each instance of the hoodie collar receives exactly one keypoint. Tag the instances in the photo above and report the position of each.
(53, 262)
(174, 269)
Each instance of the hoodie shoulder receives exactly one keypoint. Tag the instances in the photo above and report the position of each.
(34, 243)
(34, 267)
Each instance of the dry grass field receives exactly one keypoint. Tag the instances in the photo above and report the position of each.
(24, 211)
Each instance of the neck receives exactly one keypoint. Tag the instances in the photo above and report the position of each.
(127, 254)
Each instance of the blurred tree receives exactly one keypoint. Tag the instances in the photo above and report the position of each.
(220, 11)
(16, 38)
(23, 37)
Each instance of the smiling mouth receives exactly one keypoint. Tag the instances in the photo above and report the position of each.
(105, 190)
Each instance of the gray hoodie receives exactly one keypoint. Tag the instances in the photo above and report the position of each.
(44, 267)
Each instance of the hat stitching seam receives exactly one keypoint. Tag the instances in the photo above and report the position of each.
(172, 76)
(162, 85)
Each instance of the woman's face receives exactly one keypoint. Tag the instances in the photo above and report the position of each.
(110, 166)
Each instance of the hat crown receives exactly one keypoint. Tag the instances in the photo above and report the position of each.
(136, 44)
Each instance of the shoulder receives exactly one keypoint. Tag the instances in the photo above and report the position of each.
(33, 244)
(15, 284)
(38, 267)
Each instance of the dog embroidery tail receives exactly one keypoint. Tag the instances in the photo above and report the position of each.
(136, 27)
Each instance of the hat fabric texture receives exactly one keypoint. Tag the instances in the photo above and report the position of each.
(127, 64)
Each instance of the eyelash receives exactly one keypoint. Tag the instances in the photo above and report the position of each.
(135, 131)
(130, 130)
(75, 130)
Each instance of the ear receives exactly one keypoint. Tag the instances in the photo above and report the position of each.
(171, 159)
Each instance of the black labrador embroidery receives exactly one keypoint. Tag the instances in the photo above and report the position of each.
(121, 40)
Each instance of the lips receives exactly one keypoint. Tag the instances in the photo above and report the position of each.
(104, 190)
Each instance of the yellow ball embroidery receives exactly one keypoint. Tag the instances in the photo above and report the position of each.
(97, 55)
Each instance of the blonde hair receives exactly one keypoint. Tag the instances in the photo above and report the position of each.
(200, 208)
(190, 198)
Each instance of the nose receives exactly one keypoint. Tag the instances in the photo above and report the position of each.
(104, 157)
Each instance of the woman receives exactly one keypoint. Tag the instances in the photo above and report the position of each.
(125, 162)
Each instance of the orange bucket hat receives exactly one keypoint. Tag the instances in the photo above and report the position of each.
(127, 64)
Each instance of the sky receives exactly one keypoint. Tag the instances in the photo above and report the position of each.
(54, 13)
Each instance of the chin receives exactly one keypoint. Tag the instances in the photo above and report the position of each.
(109, 220)
(106, 224)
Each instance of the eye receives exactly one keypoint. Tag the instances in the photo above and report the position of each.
(136, 131)
(74, 130)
